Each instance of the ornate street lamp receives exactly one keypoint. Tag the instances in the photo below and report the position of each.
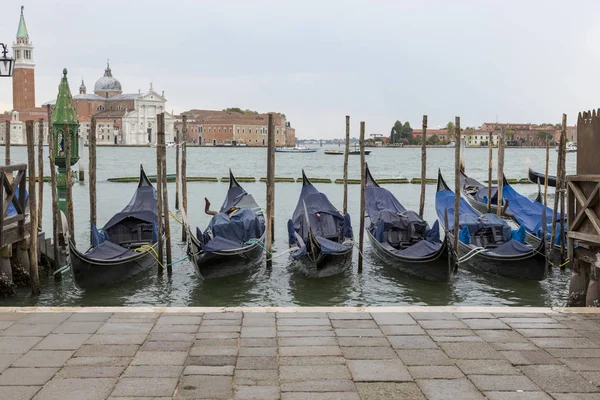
(6, 63)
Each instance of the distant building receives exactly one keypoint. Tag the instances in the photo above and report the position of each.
(224, 128)
(477, 137)
(531, 134)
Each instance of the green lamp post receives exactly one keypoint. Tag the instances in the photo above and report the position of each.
(64, 121)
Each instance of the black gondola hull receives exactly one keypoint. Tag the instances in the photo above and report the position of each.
(222, 264)
(432, 268)
(89, 272)
(319, 265)
(536, 177)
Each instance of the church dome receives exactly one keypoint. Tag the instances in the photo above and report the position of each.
(107, 83)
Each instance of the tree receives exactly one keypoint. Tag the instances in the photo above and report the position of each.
(450, 128)
(240, 111)
(509, 134)
(406, 132)
(434, 139)
(395, 132)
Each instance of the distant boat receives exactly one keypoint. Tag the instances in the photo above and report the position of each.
(297, 149)
(536, 177)
(451, 144)
(354, 152)
(571, 147)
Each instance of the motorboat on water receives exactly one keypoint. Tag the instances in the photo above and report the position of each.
(297, 149)
(571, 147)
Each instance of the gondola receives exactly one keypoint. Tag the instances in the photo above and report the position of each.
(320, 236)
(538, 177)
(126, 245)
(476, 194)
(485, 241)
(233, 240)
(402, 239)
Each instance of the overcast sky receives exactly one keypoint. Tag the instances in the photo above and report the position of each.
(317, 61)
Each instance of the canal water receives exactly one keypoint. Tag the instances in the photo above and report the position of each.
(281, 286)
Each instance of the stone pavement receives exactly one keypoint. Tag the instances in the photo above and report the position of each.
(299, 353)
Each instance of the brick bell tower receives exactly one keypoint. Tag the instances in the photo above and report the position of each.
(24, 73)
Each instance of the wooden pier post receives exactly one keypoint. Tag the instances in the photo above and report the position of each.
(40, 170)
(33, 231)
(562, 154)
(7, 144)
(177, 171)
(159, 202)
(499, 201)
(53, 188)
(92, 171)
(546, 173)
(363, 183)
(457, 148)
(70, 216)
(165, 192)
(346, 151)
(270, 189)
(184, 173)
(490, 167)
(423, 166)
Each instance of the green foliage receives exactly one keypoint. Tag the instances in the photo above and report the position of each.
(239, 110)
(401, 132)
(395, 132)
(434, 139)
(543, 135)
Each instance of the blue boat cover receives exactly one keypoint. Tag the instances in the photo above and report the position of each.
(108, 250)
(527, 212)
(387, 213)
(478, 190)
(11, 209)
(444, 200)
(238, 222)
(332, 230)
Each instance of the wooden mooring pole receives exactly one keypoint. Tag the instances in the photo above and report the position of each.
(33, 227)
(184, 174)
(546, 173)
(40, 171)
(7, 144)
(92, 171)
(457, 148)
(563, 185)
(165, 192)
(159, 203)
(70, 216)
(270, 189)
(490, 167)
(346, 151)
(177, 171)
(54, 196)
(363, 183)
(423, 166)
(499, 201)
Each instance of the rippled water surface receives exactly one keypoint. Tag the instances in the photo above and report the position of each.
(280, 286)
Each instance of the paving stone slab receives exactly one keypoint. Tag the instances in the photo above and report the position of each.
(332, 385)
(350, 341)
(258, 332)
(424, 357)
(530, 357)
(175, 320)
(456, 339)
(378, 371)
(514, 346)
(412, 342)
(487, 367)
(26, 377)
(45, 318)
(212, 360)
(20, 392)
(558, 378)
(23, 329)
(445, 389)
(359, 332)
(331, 360)
(582, 364)
(89, 316)
(159, 358)
(100, 361)
(5, 324)
(303, 321)
(534, 325)
(150, 316)
(568, 333)
(63, 341)
(107, 350)
(354, 324)
(308, 341)
(256, 363)
(175, 328)
(575, 353)
(298, 333)
(213, 351)
(204, 387)
(285, 315)
(485, 324)
(89, 372)
(217, 335)
(420, 316)
(527, 319)
(151, 371)
(162, 345)
(216, 342)
(145, 387)
(130, 338)
(125, 327)
(402, 330)
(300, 351)
(470, 351)
(225, 370)
(256, 393)
(6, 360)
(171, 336)
(442, 324)
(258, 322)
(258, 342)
(44, 358)
(77, 389)
(500, 336)
(592, 376)
(369, 353)
(258, 315)
(79, 327)
(219, 328)
(344, 315)
(503, 382)
(435, 372)
(386, 318)
(451, 332)
(258, 352)
(389, 390)
(302, 328)
(313, 372)
(564, 343)
(320, 396)
(517, 396)
(223, 315)
(581, 325)
(473, 315)
(255, 377)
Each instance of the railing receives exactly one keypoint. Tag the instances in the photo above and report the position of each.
(12, 191)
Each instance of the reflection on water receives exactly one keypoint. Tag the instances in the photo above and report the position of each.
(283, 285)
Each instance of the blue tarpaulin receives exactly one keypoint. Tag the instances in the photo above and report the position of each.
(527, 212)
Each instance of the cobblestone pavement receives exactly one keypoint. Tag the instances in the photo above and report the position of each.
(289, 354)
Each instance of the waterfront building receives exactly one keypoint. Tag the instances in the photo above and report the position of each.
(531, 134)
(227, 128)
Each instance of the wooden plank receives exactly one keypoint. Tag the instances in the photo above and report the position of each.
(13, 234)
(583, 178)
(584, 207)
(586, 237)
(12, 168)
